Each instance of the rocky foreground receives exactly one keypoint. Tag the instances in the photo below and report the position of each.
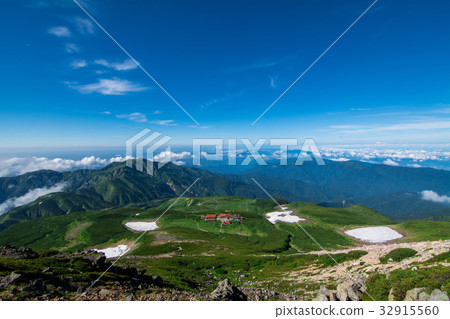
(28, 275)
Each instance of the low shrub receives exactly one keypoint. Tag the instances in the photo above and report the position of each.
(398, 255)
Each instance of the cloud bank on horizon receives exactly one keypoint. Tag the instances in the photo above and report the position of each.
(415, 158)
(20, 165)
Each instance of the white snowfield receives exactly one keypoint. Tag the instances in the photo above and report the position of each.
(284, 216)
(379, 234)
(113, 251)
(142, 226)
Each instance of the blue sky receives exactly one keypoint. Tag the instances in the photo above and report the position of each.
(66, 83)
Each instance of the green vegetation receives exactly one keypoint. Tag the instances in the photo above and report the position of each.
(183, 231)
(113, 186)
(70, 232)
(403, 280)
(444, 257)
(349, 216)
(419, 230)
(398, 255)
(190, 273)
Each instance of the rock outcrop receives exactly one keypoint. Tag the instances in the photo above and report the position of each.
(420, 294)
(347, 291)
(226, 291)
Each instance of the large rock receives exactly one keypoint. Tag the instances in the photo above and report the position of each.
(423, 296)
(226, 291)
(12, 279)
(438, 295)
(36, 287)
(419, 294)
(349, 291)
(326, 294)
(413, 294)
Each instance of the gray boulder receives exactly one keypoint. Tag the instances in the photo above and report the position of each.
(438, 295)
(12, 279)
(413, 294)
(36, 287)
(349, 291)
(423, 296)
(326, 294)
(226, 291)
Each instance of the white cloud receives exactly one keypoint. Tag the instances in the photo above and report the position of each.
(71, 48)
(17, 166)
(340, 159)
(78, 64)
(60, 31)
(272, 81)
(135, 117)
(390, 162)
(29, 197)
(84, 25)
(157, 112)
(109, 87)
(165, 122)
(416, 126)
(345, 126)
(435, 197)
(173, 157)
(375, 152)
(118, 66)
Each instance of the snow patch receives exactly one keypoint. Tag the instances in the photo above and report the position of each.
(284, 216)
(142, 226)
(379, 234)
(113, 251)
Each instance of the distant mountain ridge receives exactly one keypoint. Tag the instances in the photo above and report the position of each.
(393, 191)
(116, 185)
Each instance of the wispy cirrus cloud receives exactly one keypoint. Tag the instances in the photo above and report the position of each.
(165, 122)
(60, 31)
(118, 66)
(253, 66)
(113, 86)
(85, 26)
(420, 126)
(135, 117)
(272, 81)
(78, 64)
(227, 97)
(71, 48)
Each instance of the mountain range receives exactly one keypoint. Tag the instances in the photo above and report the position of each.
(392, 191)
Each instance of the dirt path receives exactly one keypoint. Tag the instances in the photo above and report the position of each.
(370, 262)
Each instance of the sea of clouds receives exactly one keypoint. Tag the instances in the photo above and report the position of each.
(32, 195)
